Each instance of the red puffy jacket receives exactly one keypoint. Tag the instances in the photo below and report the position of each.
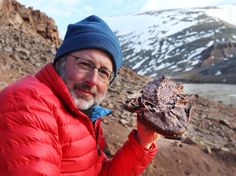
(43, 133)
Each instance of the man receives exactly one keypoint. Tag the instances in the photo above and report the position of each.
(50, 123)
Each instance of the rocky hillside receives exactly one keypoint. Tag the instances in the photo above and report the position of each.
(187, 44)
(208, 147)
(28, 39)
(21, 17)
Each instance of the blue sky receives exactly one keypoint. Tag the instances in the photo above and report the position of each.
(70, 11)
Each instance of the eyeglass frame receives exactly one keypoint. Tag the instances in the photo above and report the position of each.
(91, 63)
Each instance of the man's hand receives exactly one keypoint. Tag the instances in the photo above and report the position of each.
(145, 136)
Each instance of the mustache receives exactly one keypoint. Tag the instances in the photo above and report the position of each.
(86, 87)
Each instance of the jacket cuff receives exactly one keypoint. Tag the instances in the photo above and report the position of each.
(141, 151)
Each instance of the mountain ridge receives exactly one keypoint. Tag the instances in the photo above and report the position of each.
(171, 42)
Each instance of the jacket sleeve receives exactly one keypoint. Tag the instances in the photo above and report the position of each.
(131, 159)
(29, 143)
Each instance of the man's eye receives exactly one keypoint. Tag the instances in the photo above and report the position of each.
(104, 73)
(84, 65)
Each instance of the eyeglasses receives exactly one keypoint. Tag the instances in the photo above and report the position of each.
(86, 66)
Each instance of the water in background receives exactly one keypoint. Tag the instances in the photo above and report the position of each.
(219, 92)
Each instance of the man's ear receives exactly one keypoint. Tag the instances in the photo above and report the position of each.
(60, 63)
(57, 64)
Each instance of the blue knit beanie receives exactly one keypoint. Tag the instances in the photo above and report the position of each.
(91, 33)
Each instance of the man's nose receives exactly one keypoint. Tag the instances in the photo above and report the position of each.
(92, 77)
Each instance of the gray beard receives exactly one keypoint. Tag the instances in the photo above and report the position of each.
(85, 104)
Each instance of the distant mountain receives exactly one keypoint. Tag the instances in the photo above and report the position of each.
(185, 44)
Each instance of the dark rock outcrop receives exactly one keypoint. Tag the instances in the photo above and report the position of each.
(22, 17)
